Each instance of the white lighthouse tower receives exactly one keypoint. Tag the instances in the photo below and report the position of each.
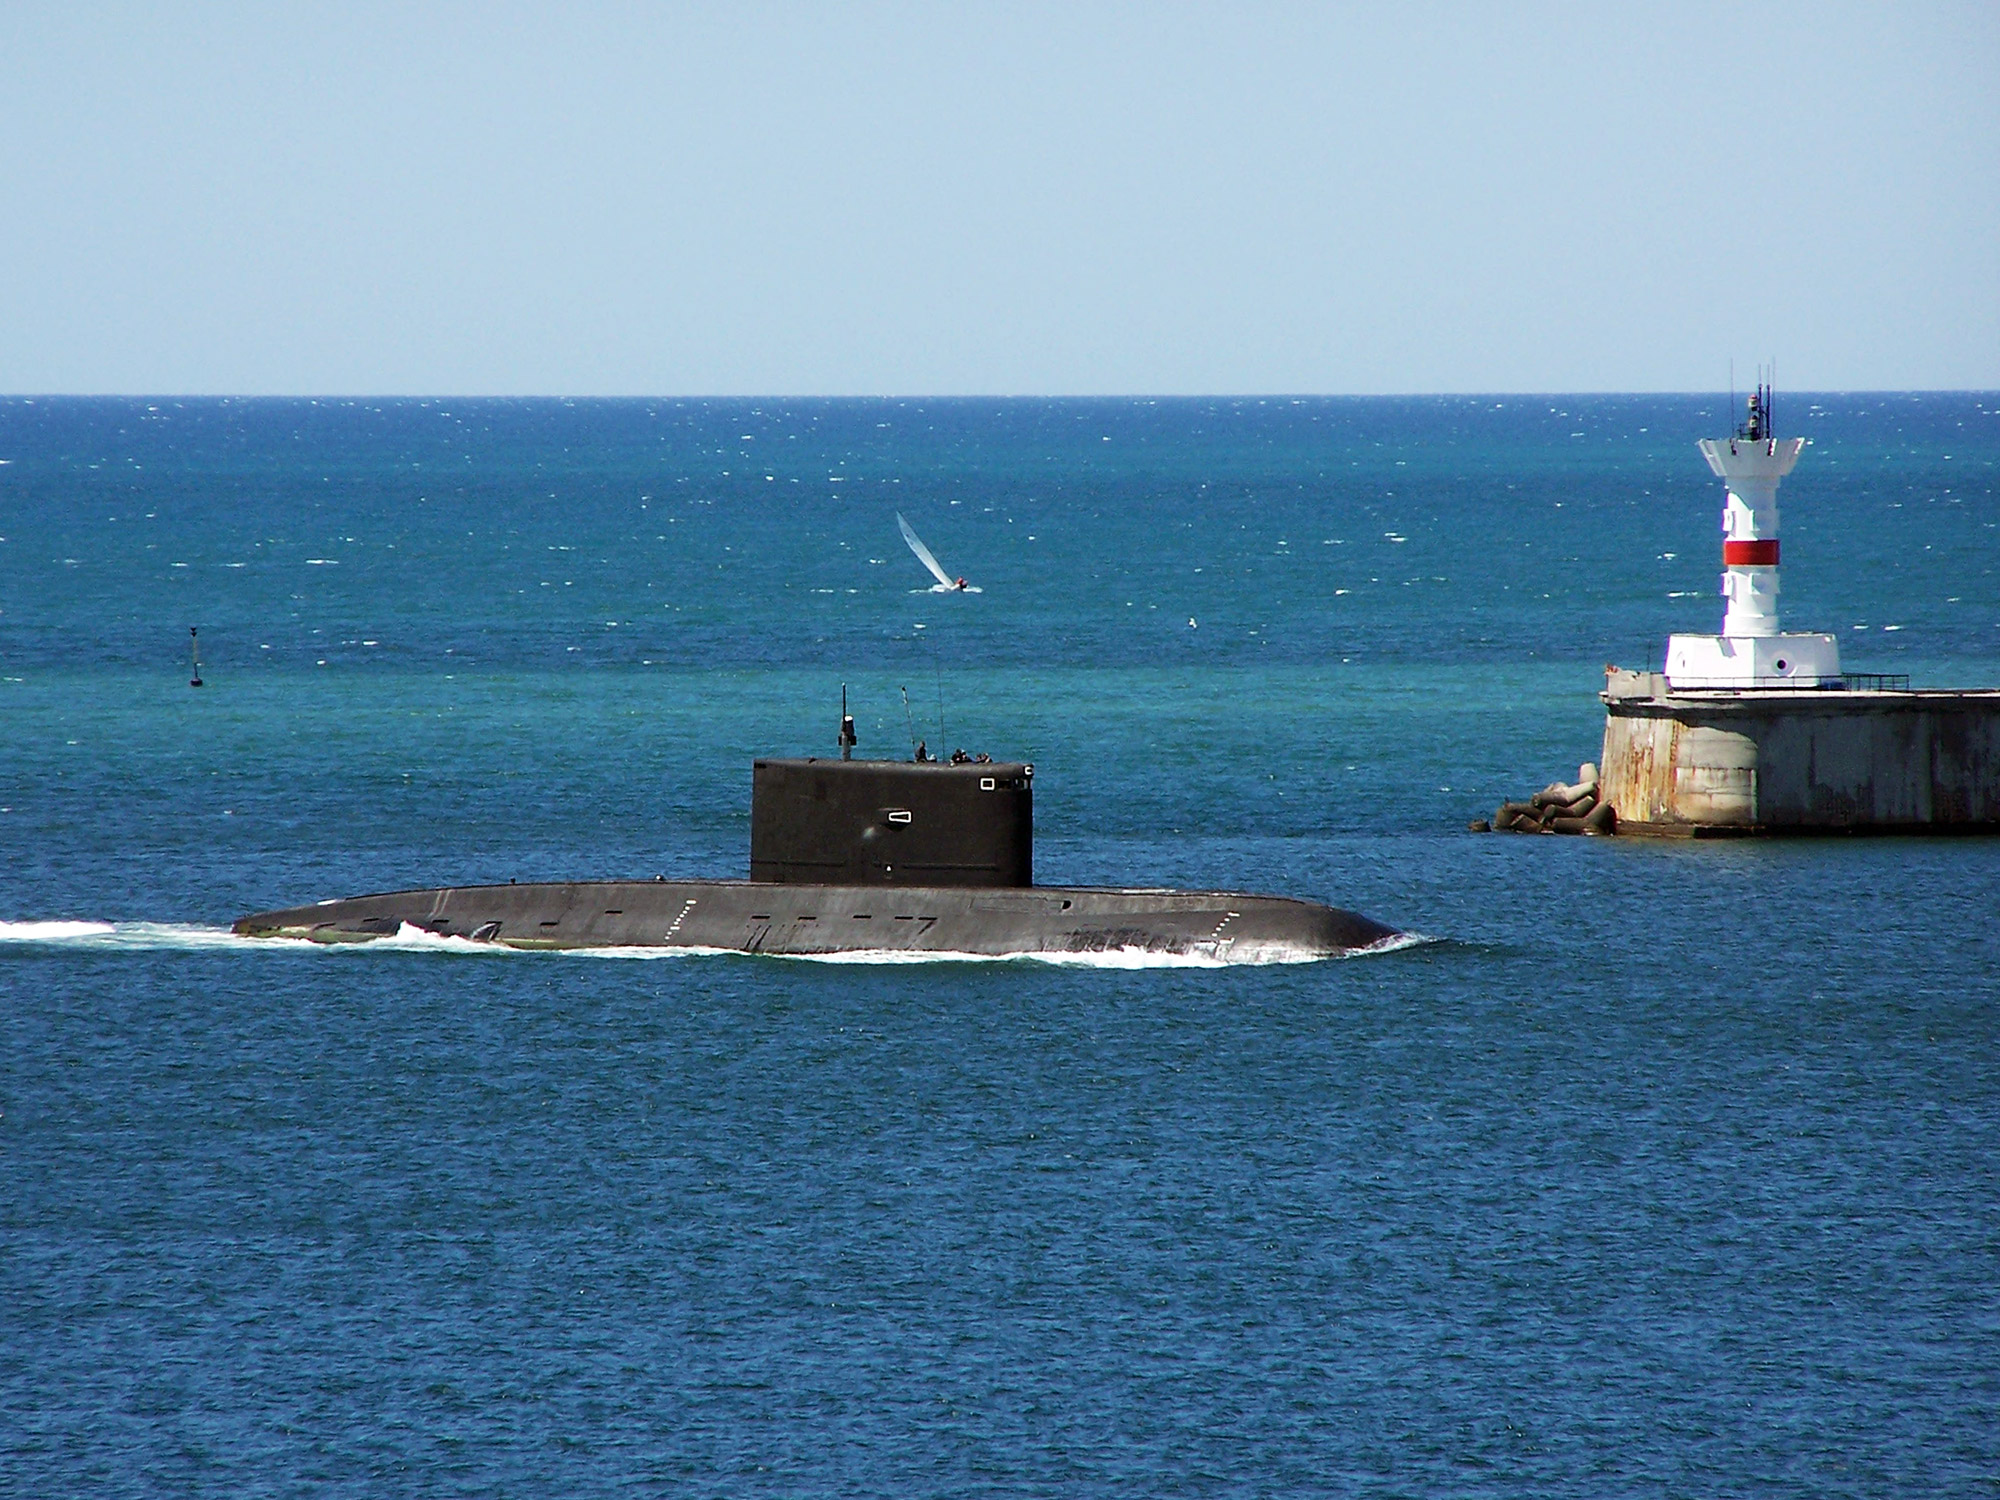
(1751, 652)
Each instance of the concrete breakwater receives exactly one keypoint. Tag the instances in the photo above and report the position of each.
(1693, 763)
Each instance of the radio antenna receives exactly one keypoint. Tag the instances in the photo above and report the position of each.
(937, 669)
(910, 719)
(940, 692)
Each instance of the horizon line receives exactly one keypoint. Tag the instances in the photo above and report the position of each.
(1136, 396)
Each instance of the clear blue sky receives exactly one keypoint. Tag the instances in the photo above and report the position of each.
(1019, 199)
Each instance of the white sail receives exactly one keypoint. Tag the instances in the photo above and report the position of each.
(924, 554)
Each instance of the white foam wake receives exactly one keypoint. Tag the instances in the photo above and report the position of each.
(128, 936)
(1117, 958)
(1109, 958)
(49, 932)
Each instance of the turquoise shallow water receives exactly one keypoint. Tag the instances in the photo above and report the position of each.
(1660, 1169)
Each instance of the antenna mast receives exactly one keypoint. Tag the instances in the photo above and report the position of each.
(847, 737)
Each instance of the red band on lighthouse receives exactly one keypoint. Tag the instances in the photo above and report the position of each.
(1750, 554)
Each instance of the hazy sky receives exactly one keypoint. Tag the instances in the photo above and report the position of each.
(964, 198)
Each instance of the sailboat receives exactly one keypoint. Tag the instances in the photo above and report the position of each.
(946, 584)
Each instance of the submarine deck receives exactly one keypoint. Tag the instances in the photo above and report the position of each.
(785, 918)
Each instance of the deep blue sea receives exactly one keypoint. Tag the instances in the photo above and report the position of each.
(1660, 1170)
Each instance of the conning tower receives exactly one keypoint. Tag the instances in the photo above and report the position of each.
(885, 822)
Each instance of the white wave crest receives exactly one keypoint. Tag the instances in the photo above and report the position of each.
(1395, 942)
(1109, 958)
(410, 939)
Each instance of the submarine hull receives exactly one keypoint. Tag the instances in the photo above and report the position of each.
(807, 920)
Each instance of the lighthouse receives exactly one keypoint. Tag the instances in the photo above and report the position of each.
(1751, 651)
(1757, 730)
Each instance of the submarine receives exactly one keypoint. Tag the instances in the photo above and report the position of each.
(919, 857)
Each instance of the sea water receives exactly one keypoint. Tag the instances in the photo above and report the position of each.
(1653, 1169)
